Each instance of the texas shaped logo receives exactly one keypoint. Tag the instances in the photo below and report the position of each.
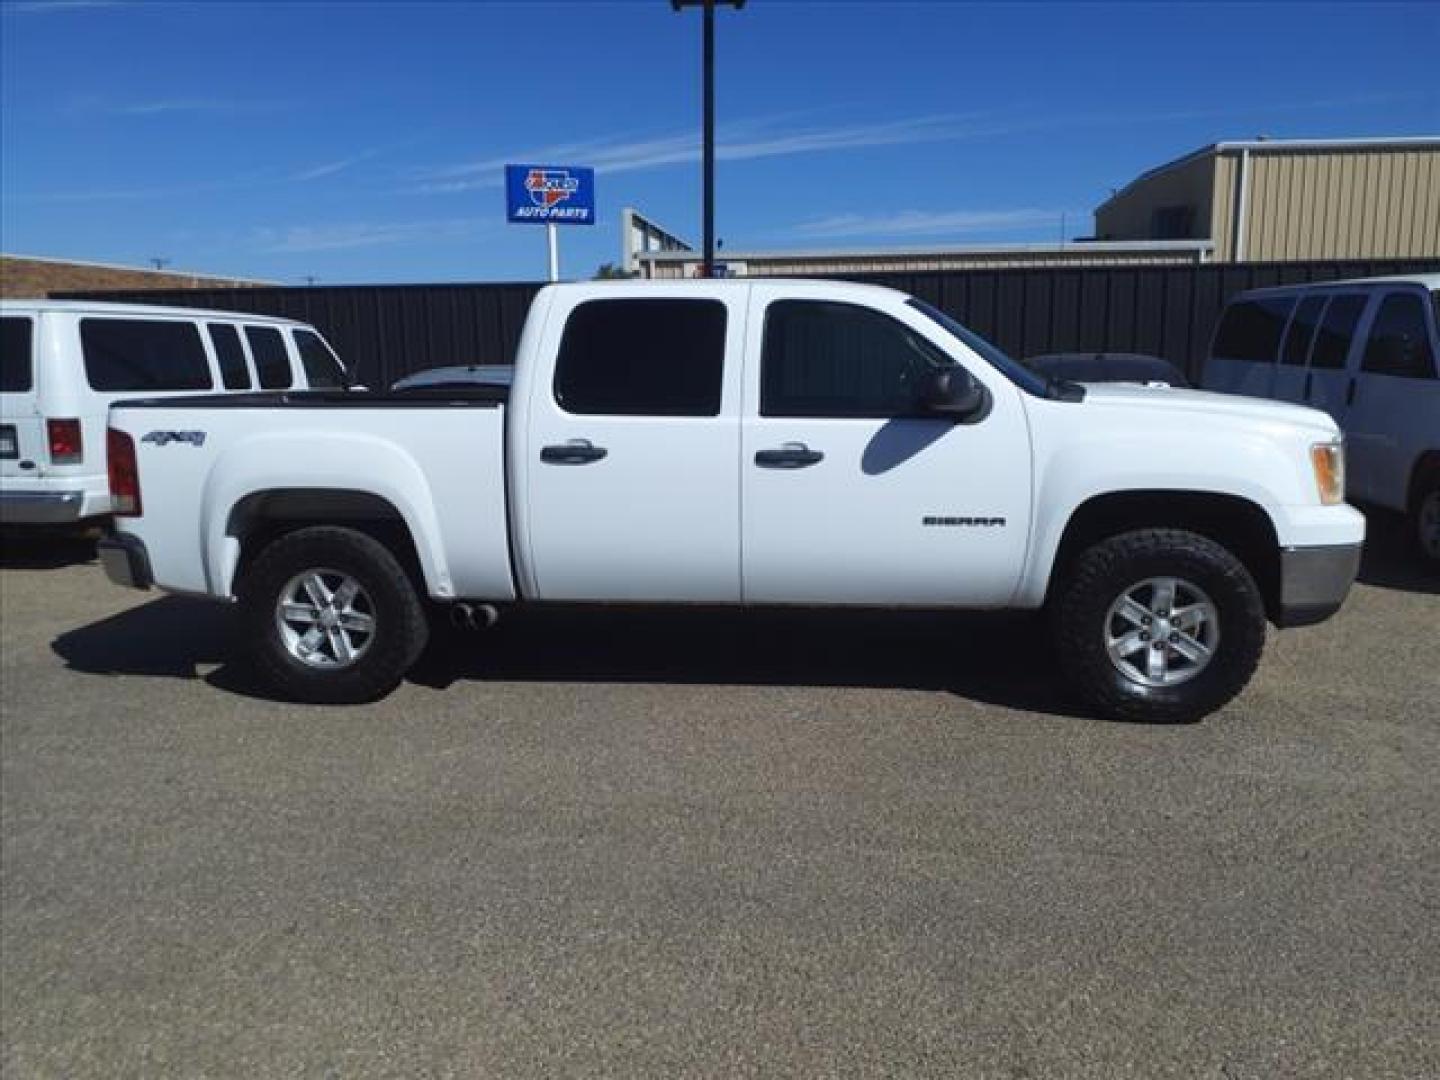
(547, 187)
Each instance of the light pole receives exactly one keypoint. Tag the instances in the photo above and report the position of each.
(708, 265)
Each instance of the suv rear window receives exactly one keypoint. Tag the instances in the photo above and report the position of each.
(642, 358)
(272, 361)
(1250, 329)
(144, 354)
(322, 368)
(16, 371)
(233, 372)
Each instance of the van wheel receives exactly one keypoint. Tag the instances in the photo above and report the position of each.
(1159, 625)
(1425, 521)
(331, 617)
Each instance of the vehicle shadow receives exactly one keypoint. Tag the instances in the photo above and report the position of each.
(996, 659)
(34, 547)
(1000, 659)
(1390, 560)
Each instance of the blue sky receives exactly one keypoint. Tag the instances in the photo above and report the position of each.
(364, 142)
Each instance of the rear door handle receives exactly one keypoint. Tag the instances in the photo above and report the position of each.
(574, 452)
(792, 455)
(1350, 392)
(1309, 384)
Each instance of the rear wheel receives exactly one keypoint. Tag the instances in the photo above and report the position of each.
(331, 616)
(1425, 520)
(1158, 625)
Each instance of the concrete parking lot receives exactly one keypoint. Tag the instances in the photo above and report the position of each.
(650, 844)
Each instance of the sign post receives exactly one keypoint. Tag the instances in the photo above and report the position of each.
(550, 195)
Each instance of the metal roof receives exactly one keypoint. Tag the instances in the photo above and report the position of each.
(1081, 246)
(1401, 142)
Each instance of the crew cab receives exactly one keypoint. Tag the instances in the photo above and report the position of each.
(746, 442)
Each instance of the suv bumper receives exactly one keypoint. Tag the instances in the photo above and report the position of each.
(40, 507)
(1314, 582)
(125, 560)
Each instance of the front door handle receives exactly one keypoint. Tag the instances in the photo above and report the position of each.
(574, 452)
(792, 455)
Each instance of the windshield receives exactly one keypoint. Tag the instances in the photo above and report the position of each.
(1012, 369)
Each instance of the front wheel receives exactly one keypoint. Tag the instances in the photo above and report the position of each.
(331, 617)
(1158, 625)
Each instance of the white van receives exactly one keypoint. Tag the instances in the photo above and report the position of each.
(1364, 351)
(63, 362)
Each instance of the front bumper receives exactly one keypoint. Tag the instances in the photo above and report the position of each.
(125, 560)
(40, 507)
(1314, 582)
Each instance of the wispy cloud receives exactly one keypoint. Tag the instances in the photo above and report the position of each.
(296, 239)
(53, 7)
(744, 141)
(330, 168)
(173, 106)
(925, 223)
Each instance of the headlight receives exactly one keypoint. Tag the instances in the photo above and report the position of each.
(1328, 461)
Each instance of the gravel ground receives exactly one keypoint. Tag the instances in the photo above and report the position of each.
(651, 844)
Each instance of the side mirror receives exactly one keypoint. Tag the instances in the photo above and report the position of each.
(953, 392)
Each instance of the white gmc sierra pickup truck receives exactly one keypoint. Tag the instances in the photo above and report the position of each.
(746, 442)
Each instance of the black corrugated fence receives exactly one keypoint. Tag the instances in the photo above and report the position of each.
(387, 331)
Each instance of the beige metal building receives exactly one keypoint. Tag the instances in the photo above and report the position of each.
(1283, 200)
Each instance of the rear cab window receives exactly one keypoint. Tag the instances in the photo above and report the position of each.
(272, 359)
(17, 368)
(144, 354)
(322, 367)
(658, 357)
(1250, 329)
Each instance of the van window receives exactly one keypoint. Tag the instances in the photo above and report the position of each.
(144, 354)
(642, 358)
(322, 369)
(272, 361)
(226, 341)
(16, 372)
(1399, 340)
(1332, 342)
(1250, 329)
(1301, 332)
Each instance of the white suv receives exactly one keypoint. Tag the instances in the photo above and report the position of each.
(62, 363)
(1366, 352)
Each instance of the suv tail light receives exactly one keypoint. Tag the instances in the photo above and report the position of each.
(66, 446)
(124, 473)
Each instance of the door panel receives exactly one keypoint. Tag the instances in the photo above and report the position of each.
(24, 451)
(874, 509)
(633, 451)
(1333, 356)
(1395, 411)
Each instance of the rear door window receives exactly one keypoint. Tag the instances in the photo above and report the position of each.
(272, 360)
(144, 354)
(17, 371)
(233, 371)
(642, 358)
(1399, 342)
(1250, 329)
(1337, 330)
(322, 368)
(1301, 332)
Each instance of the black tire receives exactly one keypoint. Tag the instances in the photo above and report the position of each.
(400, 626)
(1103, 573)
(1421, 523)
